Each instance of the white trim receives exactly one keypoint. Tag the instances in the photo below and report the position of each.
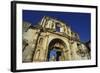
(33, 65)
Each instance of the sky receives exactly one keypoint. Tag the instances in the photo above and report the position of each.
(79, 22)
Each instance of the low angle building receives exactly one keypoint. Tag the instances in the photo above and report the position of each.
(52, 40)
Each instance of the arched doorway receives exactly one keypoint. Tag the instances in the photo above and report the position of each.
(56, 50)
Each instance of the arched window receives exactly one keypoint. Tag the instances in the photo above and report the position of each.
(57, 27)
(56, 50)
(54, 54)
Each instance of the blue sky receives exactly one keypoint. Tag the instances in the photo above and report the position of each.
(79, 22)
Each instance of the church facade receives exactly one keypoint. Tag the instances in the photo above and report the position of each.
(52, 40)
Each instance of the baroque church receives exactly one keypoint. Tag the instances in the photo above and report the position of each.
(52, 40)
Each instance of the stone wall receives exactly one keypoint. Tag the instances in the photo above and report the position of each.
(36, 42)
